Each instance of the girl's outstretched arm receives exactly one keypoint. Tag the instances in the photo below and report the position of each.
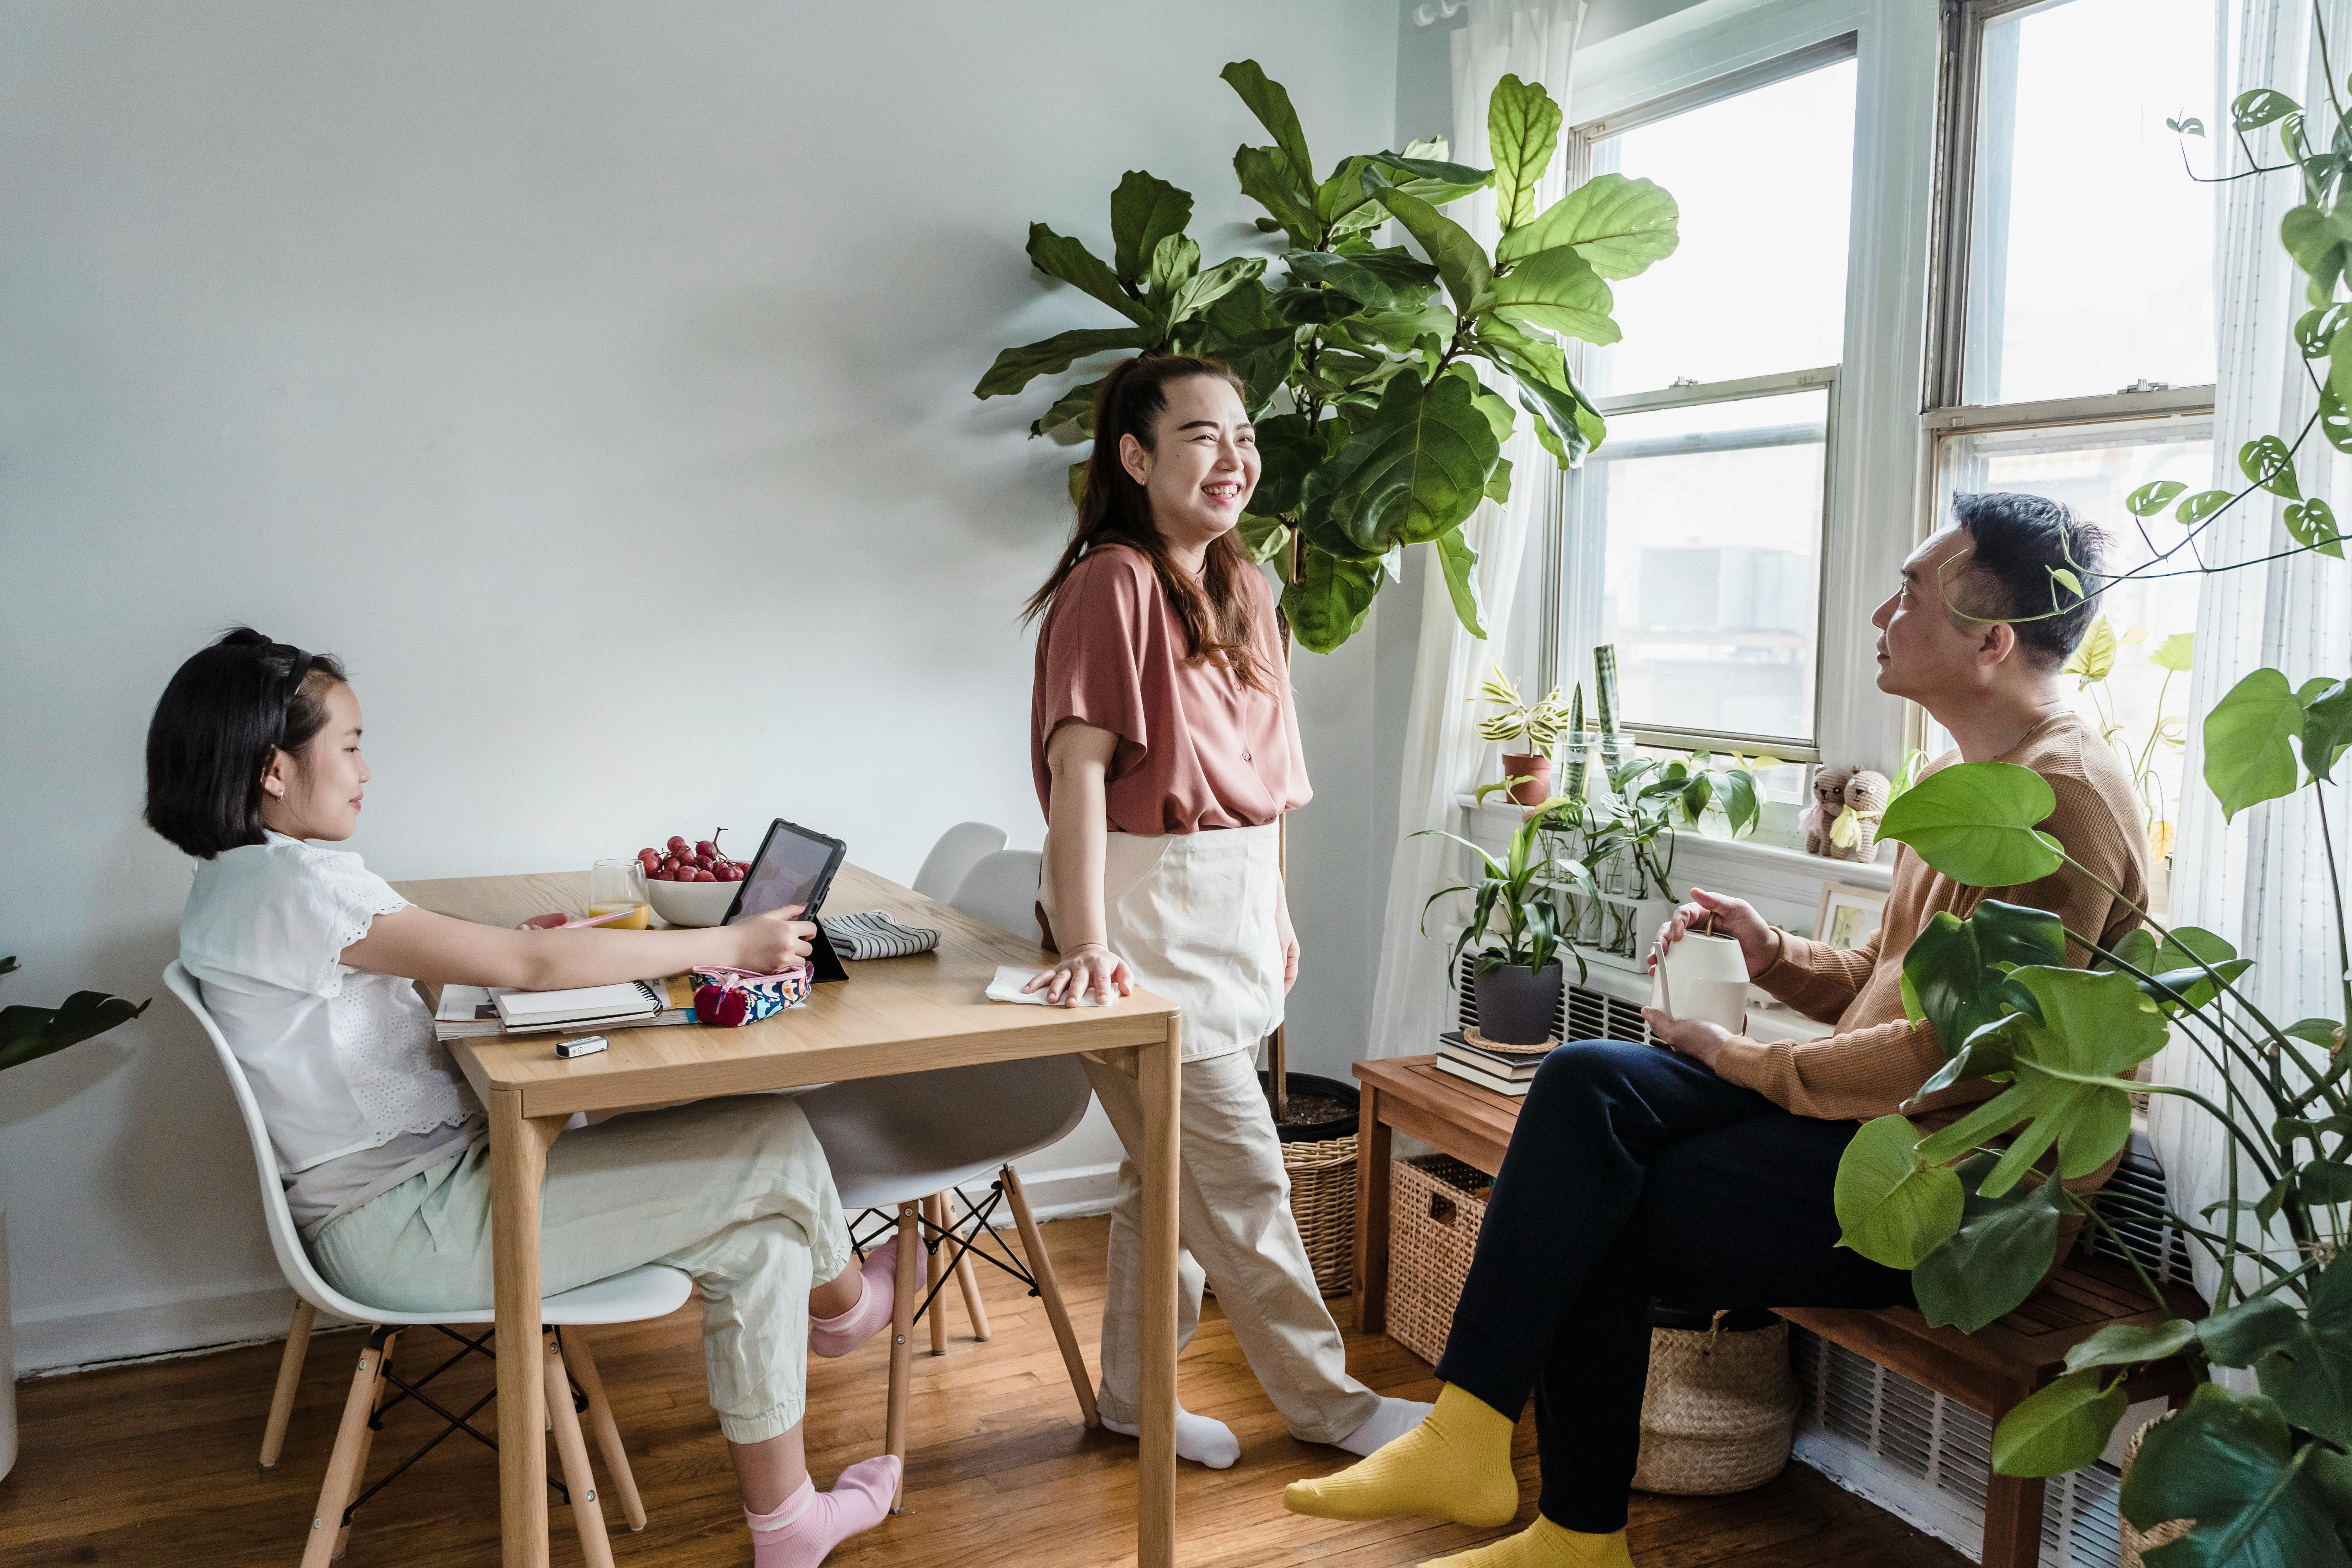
(421, 945)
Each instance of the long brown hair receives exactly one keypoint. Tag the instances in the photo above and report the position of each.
(1115, 510)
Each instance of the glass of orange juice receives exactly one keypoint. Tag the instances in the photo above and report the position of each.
(618, 886)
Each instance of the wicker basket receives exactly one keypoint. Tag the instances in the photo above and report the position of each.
(1720, 1412)
(1436, 1204)
(2137, 1540)
(1323, 1201)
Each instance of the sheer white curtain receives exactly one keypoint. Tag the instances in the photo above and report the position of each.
(2261, 880)
(1534, 39)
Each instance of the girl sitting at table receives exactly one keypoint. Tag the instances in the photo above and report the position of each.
(306, 957)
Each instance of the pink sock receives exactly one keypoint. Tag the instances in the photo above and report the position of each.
(809, 1523)
(839, 1336)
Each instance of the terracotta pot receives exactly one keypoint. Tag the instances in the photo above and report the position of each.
(1537, 771)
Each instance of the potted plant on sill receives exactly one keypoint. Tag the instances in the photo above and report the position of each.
(1536, 726)
(27, 1034)
(1519, 975)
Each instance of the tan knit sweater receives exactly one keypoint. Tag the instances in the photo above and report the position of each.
(1878, 1058)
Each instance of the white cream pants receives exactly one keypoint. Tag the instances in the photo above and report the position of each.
(734, 1192)
(1193, 915)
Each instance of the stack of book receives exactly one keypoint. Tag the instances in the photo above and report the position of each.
(1505, 1072)
(464, 1012)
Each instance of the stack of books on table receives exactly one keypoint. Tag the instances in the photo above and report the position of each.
(466, 1011)
(1505, 1072)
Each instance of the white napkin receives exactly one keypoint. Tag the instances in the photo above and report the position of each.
(1006, 987)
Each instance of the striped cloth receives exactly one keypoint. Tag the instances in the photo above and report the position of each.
(874, 934)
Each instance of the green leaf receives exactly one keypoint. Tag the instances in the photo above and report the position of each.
(2228, 1462)
(1460, 561)
(2259, 107)
(1144, 211)
(2315, 330)
(1327, 604)
(2175, 651)
(2266, 461)
(1077, 404)
(1059, 256)
(27, 1034)
(1461, 263)
(1891, 1208)
(1416, 471)
(2312, 524)
(2202, 505)
(1558, 291)
(1959, 970)
(1015, 368)
(2326, 728)
(2248, 759)
(1288, 450)
(1174, 264)
(2058, 1429)
(1264, 538)
(2180, 964)
(1379, 280)
(2313, 241)
(1498, 483)
(1523, 130)
(1263, 174)
(2094, 655)
(1977, 824)
(2132, 1344)
(2334, 422)
(1619, 226)
(1429, 180)
(1994, 1262)
(1566, 421)
(1243, 331)
(1205, 288)
(1268, 100)
(2153, 498)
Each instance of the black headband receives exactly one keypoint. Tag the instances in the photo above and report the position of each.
(299, 669)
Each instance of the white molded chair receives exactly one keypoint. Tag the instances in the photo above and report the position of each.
(953, 856)
(908, 1143)
(652, 1292)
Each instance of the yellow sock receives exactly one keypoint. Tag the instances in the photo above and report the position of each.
(1457, 1464)
(1544, 1544)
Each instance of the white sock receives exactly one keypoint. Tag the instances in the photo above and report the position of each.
(1392, 1420)
(1198, 1438)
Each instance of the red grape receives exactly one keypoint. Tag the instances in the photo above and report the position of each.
(705, 850)
(705, 876)
(676, 845)
(660, 875)
(730, 872)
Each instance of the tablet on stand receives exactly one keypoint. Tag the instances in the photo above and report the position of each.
(795, 866)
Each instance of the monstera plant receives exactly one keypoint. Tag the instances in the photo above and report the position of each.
(1375, 431)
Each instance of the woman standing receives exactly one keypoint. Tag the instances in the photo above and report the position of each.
(1165, 749)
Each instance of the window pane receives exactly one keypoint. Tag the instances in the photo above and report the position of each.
(2140, 704)
(1700, 560)
(1765, 180)
(2090, 256)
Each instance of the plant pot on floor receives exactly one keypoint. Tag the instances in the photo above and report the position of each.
(1535, 770)
(1318, 1156)
(1516, 1004)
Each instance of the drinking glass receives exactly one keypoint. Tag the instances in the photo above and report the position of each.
(617, 885)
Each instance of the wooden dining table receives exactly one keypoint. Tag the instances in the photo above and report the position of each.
(891, 1016)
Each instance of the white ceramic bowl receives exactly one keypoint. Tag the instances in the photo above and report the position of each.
(691, 903)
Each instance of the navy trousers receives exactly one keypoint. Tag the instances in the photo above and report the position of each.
(1636, 1173)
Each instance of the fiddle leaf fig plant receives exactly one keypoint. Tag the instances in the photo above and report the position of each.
(1381, 378)
(28, 1034)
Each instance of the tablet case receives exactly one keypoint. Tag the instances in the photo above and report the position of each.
(825, 961)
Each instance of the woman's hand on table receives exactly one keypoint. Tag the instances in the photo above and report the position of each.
(1085, 966)
(1693, 1037)
(765, 943)
(1760, 944)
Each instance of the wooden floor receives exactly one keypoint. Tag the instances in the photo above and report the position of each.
(155, 1464)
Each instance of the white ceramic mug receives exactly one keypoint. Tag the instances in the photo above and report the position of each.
(1703, 977)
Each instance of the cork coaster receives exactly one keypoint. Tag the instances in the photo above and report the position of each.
(1472, 1034)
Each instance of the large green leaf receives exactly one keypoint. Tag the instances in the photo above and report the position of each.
(2247, 758)
(2266, 461)
(27, 1034)
(2228, 1462)
(1957, 972)
(1460, 562)
(1264, 177)
(1144, 211)
(1077, 404)
(1059, 256)
(2326, 726)
(1271, 103)
(1891, 1207)
(1995, 1260)
(1206, 287)
(2132, 1344)
(1288, 450)
(1558, 291)
(1428, 179)
(2312, 524)
(1618, 225)
(1566, 421)
(2093, 1026)
(2303, 1359)
(1175, 262)
(1327, 604)
(1015, 368)
(1523, 130)
(1350, 198)
(1462, 264)
(1243, 331)
(1419, 469)
(1379, 280)
(1977, 824)
(2058, 1429)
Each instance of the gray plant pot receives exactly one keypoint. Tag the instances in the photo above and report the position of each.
(1516, 1004)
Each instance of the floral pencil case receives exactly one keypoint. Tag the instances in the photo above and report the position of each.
(728, 998)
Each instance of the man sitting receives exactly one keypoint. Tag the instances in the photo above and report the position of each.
(1703, 1175)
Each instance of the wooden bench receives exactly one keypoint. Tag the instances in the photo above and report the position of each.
(1989, 1370)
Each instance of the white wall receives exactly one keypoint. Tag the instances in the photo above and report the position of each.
(596, 380)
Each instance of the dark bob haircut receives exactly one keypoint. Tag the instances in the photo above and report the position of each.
(2019, 540)
(224, 712)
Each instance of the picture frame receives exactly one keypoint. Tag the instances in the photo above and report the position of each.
(1847, 916)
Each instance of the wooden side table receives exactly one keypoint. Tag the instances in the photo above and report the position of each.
(1471, 1124)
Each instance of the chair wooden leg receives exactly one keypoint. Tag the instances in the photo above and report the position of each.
(367, 1442)
(572, 1450)
(342, 1464)
(965, 1279)
(290, 1382)
(2012, 1529)
(935, 1208)
(1049, 1291)
(607, 1430)
(902, 1348)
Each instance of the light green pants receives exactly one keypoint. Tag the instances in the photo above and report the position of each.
(734, 1192)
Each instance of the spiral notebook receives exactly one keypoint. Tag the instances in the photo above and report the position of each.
(524, 1011)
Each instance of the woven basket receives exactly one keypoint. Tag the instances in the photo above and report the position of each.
(2136, 1541)
(1720, 1412)
(1436, 1206)
(1323, 1201)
